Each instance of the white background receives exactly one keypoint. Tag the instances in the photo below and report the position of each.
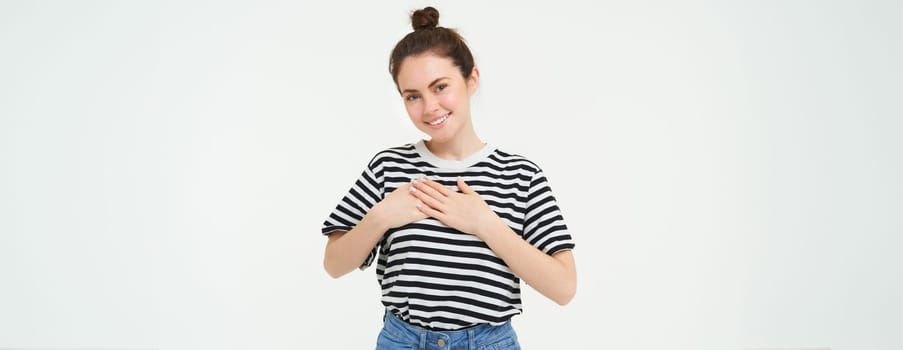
(730, 170)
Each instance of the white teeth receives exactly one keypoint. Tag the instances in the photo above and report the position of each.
(439, 121)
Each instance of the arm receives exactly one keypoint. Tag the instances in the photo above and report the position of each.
(553, 276)
(346, 251)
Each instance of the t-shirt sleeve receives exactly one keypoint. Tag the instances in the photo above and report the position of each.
(363, 195)
(544, 225)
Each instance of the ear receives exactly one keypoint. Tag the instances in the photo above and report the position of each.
(473, 82)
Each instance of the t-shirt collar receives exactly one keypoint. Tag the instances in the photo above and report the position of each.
(431, 158)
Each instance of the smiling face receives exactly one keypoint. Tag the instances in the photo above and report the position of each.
(437, 96)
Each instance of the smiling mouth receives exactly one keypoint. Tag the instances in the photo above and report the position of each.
(440, 120)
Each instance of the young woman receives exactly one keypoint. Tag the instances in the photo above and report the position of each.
(453, 222)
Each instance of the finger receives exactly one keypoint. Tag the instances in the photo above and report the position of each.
(425, 187)
(402, 188)
(465, 188)
(426, 199)
(430, 212)
(438, 187)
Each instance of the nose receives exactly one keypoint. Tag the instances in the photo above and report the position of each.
(430, 104)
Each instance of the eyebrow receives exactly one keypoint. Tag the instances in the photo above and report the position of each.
(429, 86)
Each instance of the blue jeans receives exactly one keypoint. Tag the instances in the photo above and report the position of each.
(400, 335)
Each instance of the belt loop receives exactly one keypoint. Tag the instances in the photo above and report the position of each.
(423, 339)
(471, 344)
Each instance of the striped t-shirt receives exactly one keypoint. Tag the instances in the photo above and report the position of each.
(438, 277)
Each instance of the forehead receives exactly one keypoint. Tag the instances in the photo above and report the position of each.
(421, 70)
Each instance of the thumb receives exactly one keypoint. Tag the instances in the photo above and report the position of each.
(464, 187)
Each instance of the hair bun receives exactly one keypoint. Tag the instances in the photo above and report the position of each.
(426, 18)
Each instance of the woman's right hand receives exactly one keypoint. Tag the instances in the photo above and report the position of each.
(397, 209)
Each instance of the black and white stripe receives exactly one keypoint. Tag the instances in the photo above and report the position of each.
(438, 277)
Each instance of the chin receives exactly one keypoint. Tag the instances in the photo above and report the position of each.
(441, 138)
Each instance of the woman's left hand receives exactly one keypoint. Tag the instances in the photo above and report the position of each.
(464, 211)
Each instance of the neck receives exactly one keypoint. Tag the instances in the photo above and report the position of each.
(459, 148)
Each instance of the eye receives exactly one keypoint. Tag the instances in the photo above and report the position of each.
(411, 97)
(441, 87)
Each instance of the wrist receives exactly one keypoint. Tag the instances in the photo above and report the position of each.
(491, 227)
(374, 220)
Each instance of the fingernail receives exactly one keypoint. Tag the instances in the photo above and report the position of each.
(418, 205)
(413, 189)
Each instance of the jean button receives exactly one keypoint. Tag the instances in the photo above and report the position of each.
(440, 342)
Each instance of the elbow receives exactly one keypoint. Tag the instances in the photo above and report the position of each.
(565, 298)
(566, 294)
(332, 271)
(566, 286)
(333, 274)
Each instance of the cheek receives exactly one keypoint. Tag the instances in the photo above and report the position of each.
(448, 100)
(413, 110)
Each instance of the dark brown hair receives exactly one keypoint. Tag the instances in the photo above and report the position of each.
(428, 36)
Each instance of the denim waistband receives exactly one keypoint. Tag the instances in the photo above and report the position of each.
(480, 336)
